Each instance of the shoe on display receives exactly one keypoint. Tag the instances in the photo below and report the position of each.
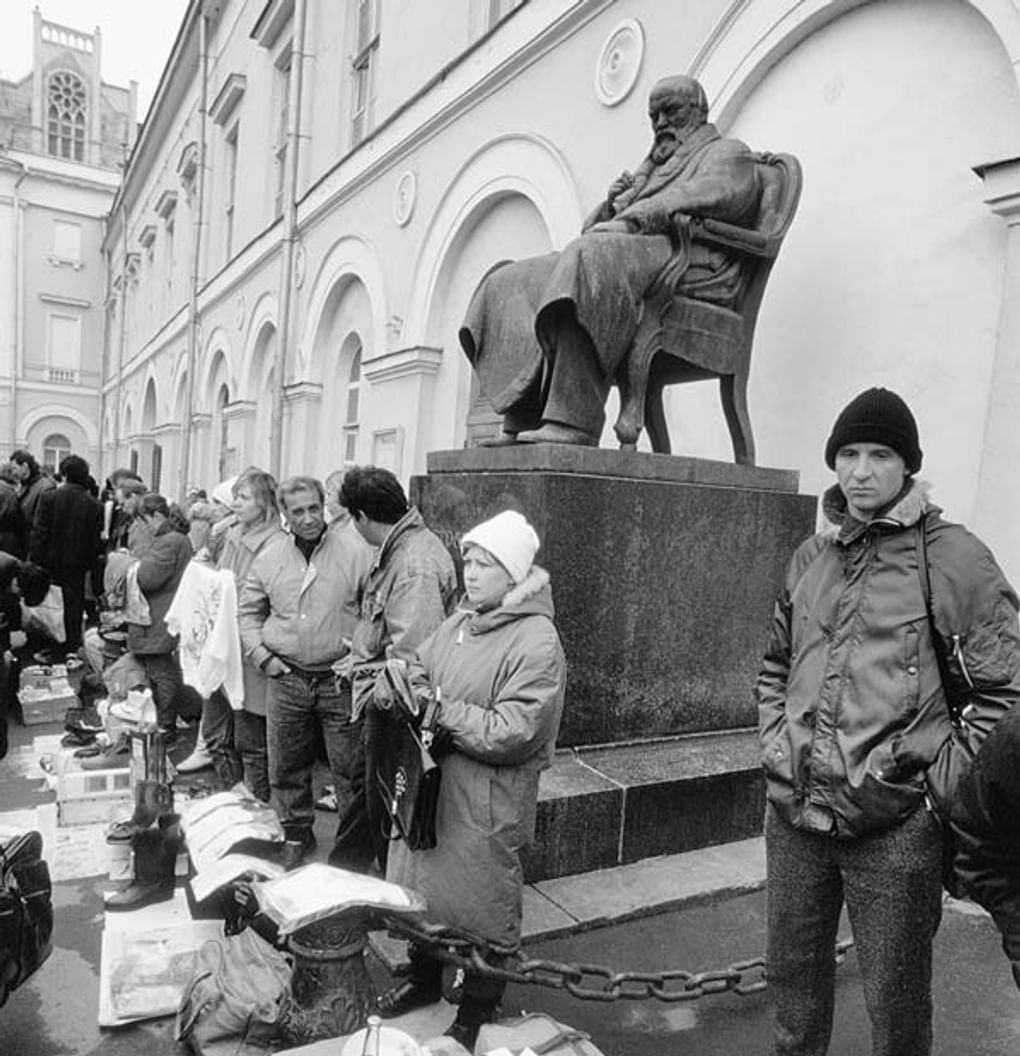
(114, 757)
(327, 801)
(198, 760)
(138, 708)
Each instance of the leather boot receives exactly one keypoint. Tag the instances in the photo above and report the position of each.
(153, 799)
(155, 854)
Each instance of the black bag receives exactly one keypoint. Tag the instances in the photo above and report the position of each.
(943, 777)
(26, 910)
(408, 780)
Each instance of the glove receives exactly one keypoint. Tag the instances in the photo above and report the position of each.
(442, 743)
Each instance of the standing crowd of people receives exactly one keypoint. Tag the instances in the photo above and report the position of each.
(890, 741)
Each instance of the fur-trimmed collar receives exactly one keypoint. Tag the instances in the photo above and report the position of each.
(905, 511)
(528, 587)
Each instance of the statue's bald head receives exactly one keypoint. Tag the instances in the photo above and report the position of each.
(682, 89)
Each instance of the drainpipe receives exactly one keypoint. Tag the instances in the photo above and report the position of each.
(290, 237)
(121, 322)
(18, 351)
(194, 319)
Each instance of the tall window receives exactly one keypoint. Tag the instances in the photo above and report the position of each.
(63, 354)
(55, 447)
(282, 85)
(231, 187)
(352, 406)
(65, 116)
(363, 87)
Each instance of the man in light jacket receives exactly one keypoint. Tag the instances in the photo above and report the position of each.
(299, 605)
(855, 730)
(411, 589)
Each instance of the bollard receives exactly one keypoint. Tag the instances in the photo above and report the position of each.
(330, 992)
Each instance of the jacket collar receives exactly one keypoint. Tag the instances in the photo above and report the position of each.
(411, 520)
(903, 512)
(257, 536)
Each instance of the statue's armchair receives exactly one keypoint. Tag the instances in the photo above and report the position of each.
(680, 339)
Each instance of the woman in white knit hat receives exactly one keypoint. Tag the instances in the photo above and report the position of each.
(497, 668)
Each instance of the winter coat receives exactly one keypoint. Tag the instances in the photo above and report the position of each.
(302, 610)
(237, 555)
(411, 589)
(852, 710)
(12, 522)
(501, 676)
(67, 539)
(159, 576)
(986, 817)
(31, 495)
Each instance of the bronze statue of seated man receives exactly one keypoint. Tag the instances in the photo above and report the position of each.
(547, 335)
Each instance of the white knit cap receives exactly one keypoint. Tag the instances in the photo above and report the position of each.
(223, 493)
(510, 540)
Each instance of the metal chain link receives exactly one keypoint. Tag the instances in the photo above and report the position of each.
(588, 982)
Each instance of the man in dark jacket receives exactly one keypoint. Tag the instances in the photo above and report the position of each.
(34, 483)
(159, 575)
(987, 821)
(411, 589)
(67, 542)
(855, 730)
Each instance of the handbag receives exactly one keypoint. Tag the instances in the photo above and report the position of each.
(406, 773)
(26, 910)
(943, 777)
(236, 992)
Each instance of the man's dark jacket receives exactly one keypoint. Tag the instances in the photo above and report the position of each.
(66, 540)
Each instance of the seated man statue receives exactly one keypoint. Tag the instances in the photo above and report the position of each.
(547, 335)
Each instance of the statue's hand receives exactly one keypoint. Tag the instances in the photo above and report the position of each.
(622, 183)
(619, 227)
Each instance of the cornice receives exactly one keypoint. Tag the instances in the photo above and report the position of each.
(417, 361)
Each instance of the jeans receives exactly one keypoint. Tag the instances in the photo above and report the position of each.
(361, 835)
(301, 705)
(218, 731)
(892, 886)
(164, 674)
(250, 743)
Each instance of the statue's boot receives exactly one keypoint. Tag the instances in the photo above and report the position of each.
(557, 433)
(503, 440)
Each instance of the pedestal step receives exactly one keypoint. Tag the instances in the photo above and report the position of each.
(605, 806)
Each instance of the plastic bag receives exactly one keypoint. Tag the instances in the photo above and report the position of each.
(540, 1033)
(47, 617)
(239, 984)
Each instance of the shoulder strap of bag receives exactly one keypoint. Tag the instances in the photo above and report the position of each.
(954, 705)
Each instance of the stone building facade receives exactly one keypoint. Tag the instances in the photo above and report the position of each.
(64, 136)
(320, 188)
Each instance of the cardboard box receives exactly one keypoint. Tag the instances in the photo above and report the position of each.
(85, 797)
(37, 708)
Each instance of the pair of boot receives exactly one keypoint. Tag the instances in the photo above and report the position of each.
(155, 857)
(153, 800)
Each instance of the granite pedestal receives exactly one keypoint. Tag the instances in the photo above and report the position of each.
(664, 572)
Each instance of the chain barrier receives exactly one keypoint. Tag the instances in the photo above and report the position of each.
(588, 982)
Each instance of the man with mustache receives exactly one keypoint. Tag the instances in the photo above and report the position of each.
(546, 335)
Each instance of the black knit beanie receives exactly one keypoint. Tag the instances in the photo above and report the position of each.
(877, 416)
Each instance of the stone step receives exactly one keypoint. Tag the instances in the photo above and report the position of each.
(601, 807)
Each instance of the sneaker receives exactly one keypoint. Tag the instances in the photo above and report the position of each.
(198, 760)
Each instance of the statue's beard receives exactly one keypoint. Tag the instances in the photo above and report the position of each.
(665, 145)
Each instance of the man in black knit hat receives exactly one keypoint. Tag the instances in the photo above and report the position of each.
(856, 734)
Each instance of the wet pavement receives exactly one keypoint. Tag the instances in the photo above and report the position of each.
(977, 1004)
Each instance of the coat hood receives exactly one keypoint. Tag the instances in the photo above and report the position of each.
(531, 597)
(906, 510)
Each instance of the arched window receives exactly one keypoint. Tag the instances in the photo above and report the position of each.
(54, 448)
(65, 116)
(351, 413)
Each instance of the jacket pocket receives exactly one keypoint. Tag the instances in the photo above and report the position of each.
(884, 798)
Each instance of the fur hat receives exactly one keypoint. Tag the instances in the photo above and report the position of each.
(510, 540)
(876, 416)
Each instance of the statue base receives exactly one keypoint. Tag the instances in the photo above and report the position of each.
(664, 573)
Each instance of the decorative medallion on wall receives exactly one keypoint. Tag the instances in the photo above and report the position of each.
(619, 62)
(300, 265)
(239, 312)
(404, 197)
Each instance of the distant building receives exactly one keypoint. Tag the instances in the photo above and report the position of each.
(312, 313)
(64, 135)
